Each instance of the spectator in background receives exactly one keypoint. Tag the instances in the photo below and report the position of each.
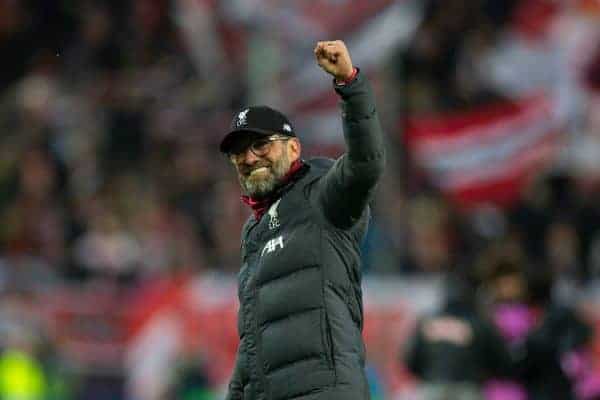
(440, 64)
(22, 374)
(504, 285)
(455, 350)
(108, 249)
(428, 237)
(542, 335)
(557, 348)
(562, 258)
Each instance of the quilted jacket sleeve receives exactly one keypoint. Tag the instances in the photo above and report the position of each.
(344, 192)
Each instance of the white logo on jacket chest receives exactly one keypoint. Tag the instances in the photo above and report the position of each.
(274, 216)
(272, 245)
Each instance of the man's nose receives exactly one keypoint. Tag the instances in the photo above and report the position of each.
(249, 157)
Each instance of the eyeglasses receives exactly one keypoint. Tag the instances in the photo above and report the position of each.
(259, 147)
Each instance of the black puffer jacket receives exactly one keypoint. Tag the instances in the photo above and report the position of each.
(300, 316)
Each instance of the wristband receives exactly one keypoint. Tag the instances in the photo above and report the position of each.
(349, 79)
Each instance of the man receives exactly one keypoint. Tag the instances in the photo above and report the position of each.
(456, 349)
(300, 317)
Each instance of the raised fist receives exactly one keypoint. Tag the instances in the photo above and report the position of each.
(334, 58)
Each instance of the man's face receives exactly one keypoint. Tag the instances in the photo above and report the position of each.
(508, 288)
(262, 164)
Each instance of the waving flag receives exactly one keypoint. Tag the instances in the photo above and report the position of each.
(486, 155)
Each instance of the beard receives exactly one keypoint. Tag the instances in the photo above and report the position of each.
(262, 183)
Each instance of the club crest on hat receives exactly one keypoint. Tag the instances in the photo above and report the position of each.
(242, 118)
(287, 127)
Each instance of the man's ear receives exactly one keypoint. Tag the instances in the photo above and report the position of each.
(295, 148)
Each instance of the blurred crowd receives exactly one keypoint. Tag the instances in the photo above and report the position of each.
(110, 176)
(502, 334)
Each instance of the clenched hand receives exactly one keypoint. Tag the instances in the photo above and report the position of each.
(334, 58)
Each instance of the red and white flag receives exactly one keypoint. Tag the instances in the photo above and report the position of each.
(486, 155)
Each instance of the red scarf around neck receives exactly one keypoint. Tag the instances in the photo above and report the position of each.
(260, 207)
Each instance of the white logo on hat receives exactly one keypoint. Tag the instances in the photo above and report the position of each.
(287, 127)
(241, 118)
